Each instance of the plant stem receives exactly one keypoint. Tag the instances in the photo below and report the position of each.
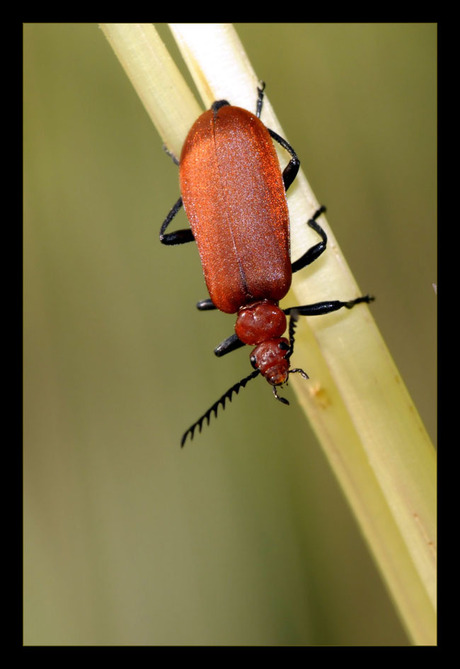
(355, 399)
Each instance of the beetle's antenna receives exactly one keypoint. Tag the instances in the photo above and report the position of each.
(294, 317)
(226, 396)
(292, 323)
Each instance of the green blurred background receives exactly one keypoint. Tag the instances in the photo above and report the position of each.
(243, 537)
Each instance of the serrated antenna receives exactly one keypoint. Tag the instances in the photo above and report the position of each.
(213, 409)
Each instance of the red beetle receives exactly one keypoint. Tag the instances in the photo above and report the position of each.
(234, 195)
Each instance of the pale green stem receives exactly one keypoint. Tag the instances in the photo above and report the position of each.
(355, 399)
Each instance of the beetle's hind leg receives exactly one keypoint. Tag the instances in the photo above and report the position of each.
(317, 249)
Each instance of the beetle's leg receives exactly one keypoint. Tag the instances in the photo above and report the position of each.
(260, 98)
(230, 344)
(291, 169)
(206, 305)
(171, 154)
(315, 251)
(179, 236)
(321, 308)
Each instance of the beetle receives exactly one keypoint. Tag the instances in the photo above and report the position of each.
(234, 195)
